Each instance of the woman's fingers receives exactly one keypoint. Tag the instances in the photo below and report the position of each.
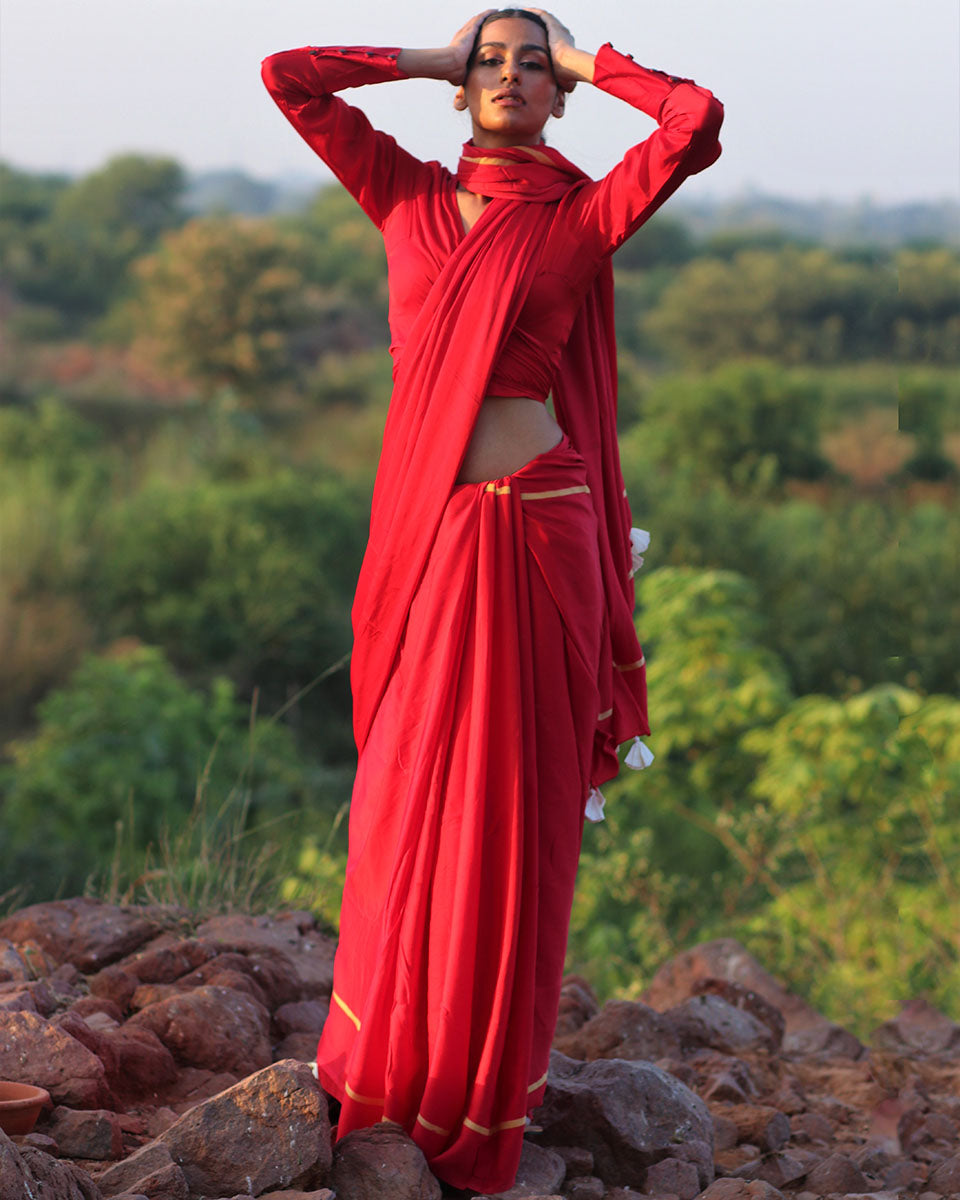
(462, 43)
(559, 39)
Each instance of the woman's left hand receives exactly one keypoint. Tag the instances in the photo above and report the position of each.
(560, 42)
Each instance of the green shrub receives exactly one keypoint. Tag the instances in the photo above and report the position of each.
(125, 743)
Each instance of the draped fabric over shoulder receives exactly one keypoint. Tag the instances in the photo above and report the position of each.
(495, 665)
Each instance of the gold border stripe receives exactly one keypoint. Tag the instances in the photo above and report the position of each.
(350, 1013)
(430, 1125)
(496, 1128)
(570, 491)
(361, 1099)
(498, 491)
(543, 1078)
(601, 717)
(641, 662)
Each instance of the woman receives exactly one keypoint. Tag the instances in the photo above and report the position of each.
(495, 666)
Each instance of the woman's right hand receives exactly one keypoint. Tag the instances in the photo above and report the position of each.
(462, 43)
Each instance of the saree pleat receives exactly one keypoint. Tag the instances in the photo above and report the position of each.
(466, 825)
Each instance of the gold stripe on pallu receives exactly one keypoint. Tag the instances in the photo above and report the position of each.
(543, 1079)
(490, 160)
(421, 1120)
(570, 491)
(505, 488)
(362, 1099)
(350, 1013)
(602, 717)
(641, 662)
(495, 1128)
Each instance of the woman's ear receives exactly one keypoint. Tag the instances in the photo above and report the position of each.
(460, 100)
(559, 105)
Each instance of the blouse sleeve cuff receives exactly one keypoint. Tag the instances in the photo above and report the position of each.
(644, 87)
(370, 64)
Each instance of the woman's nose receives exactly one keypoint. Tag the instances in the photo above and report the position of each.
(509, 70)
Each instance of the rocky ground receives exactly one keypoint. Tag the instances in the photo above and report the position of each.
(175, 1055)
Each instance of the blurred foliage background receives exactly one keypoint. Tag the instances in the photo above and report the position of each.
(190, 416)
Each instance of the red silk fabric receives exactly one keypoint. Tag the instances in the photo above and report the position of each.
(466, 825)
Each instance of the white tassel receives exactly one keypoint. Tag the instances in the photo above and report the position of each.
(639, 755)
(639, 542)
(594, 808)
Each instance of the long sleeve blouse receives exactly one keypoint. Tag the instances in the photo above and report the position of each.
(414, 203)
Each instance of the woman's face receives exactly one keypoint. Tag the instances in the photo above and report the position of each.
(510, 90)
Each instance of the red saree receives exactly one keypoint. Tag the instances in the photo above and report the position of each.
(495, 665)
(481, 620)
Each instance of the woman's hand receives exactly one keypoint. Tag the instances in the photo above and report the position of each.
(462, 43)
(570, 65)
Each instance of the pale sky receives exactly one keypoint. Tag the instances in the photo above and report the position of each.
(825, 99)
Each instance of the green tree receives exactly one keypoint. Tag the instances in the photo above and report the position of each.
(751, 425)
(794, 305)
(221, 302)
(77, 260)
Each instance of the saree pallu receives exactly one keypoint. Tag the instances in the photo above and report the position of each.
(466, 825)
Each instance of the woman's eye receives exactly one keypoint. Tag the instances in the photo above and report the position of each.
(533, 66)
(490, 62)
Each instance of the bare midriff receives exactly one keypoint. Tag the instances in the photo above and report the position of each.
(509, 432)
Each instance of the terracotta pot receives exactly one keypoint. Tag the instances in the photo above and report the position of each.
(20, 1105)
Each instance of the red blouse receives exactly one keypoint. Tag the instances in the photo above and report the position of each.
(414, 203)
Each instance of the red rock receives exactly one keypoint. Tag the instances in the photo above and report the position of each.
(672, 1175)
(719, 1077)
(142, 1064)
(13, 966)
(811, 1127)
(240, 981)
(837, 1173)
(708, 1020)
(725, 1132)
(540, 1172)
(778, 1169)
(750, 1001)
(578, 1004)
(381, 1161)
(33, 996)
(152, 993)
(212, 1027)
(194, 1084)
(86, 1133)
(166, 1183)
(577, 1160)
(302, 1046)
(301, 1016)
(807, 1031)
(34, 1051)
(141, 1165)
(93, 1039)
(622, 1029)
(764, 1127)
(268, 1131)
(741, 1189)
(29, 1174)
(946, 1177)
(585, 1187)
(167, 964)
(919, 1028)
(91, 1006)
(902, 1175)
(114, 984)
(305, 954)
(286, 1194)
(83, 931)
(627, 1114)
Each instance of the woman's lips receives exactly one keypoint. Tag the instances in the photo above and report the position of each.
(509, 100)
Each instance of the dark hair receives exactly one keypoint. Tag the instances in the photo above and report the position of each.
(508, 12)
